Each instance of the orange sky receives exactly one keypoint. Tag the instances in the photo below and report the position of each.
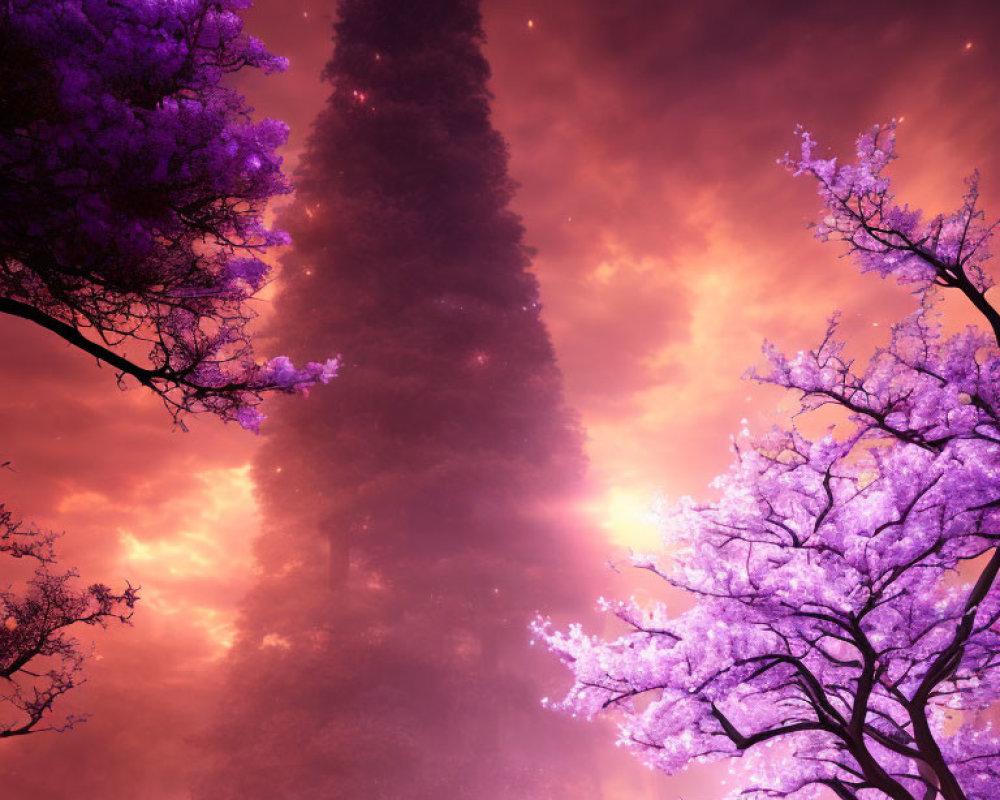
(643, 134)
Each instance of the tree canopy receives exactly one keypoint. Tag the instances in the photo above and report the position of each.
(845, 584)
(39, 659)
(133, 183)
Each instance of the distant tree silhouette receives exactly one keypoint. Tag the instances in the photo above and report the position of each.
(411, 515)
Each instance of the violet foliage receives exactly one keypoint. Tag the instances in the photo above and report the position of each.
(846, 598)
(39, 660)
(133, 184)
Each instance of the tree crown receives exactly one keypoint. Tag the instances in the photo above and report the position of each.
(133, 184)
(845, 597)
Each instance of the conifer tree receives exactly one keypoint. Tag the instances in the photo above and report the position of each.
(411, 515)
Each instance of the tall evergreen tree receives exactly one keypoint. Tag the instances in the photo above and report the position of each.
(410, 514)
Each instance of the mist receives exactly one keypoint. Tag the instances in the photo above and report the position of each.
(418, 513)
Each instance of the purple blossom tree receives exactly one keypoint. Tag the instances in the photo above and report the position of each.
(844, 636)
(39, 660)
(132, 189)
(133, 184)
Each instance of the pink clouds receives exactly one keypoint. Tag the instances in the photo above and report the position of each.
(655, 127)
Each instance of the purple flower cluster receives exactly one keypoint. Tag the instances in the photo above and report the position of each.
(845, 585)
(132, 188)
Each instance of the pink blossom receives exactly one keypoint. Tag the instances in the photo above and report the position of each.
(845, 589)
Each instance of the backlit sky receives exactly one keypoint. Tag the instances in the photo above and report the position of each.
(669, 245)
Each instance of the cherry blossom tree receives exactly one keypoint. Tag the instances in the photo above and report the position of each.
(39, 660)
(132, 189)
(844, 636)
(133, 185)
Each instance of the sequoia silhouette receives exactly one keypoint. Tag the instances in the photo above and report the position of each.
(417, 515)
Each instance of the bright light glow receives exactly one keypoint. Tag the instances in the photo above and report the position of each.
(627, 517)
(196, 565)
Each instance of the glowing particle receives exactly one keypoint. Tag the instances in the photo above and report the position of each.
(275, 640)
(531, 23)
(968, 46)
